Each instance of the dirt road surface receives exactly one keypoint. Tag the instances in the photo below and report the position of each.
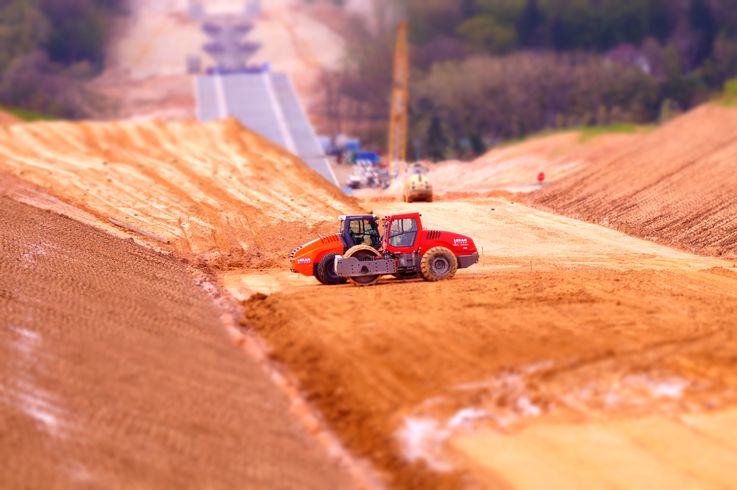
(117, 373)
(157, 36)
(146, 66)
(572, 354)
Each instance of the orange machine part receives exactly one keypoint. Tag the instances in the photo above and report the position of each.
(304, 259)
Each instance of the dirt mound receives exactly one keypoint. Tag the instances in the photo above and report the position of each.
(7, 118)
(216, 192)
(558, 345)
(516, 167)
(675, 185)
(116, 373)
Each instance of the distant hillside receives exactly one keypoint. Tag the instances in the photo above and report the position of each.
(48, 49)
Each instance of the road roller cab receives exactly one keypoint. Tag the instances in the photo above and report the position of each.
(316, 258)
(404, 234)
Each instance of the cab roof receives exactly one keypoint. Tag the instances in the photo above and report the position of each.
(404, 216)
(345, 217)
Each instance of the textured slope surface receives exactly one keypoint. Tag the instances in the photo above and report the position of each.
(215, 191)
(516, 167)
(675, 185)
(116, 373)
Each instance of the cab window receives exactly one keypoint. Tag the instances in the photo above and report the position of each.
(364, 232)
(403, 232)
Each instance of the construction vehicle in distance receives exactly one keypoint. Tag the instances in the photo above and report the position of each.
(360, 254)
(369, 172)
(417, 185)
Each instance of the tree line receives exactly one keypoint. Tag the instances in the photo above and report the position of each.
(48, 48)
(490, 70)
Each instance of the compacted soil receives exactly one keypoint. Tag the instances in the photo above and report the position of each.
(563, 322)
(115, 372)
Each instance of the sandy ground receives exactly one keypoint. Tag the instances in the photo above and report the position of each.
(675, 185)
(117, 373)
(568, 347)
(682, 451)
(516, 167)
(25, 192)
(6, 118)
(216, 193)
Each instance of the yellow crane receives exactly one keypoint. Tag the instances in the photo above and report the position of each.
(399, 111)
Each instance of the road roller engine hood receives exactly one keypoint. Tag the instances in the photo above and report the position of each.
(302, 259)
(458, 244)
(419, 182)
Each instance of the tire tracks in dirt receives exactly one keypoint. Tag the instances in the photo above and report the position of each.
(133, 382)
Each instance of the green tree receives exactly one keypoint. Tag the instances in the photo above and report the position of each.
(433, 18)
(506, 12)
(23, 29)
(80, 30)
(437, 140)
(530, 25)
(49, 49)
(476, 81)
(704, 26)
(483, 32)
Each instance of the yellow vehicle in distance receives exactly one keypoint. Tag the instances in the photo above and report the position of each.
(417, 185)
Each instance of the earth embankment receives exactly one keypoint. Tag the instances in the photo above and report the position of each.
(674, 185)
(7, 118)
(516, 167)
(117, 373)
(217, 192)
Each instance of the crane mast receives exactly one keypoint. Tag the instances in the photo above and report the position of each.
(399, 111)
